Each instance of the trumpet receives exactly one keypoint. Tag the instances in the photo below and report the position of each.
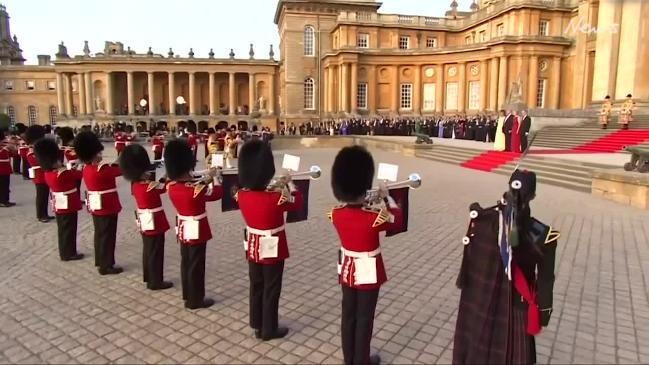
(373, 196)
(281, 182)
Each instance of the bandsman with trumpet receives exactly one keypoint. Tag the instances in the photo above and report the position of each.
(150, 215)
(102, 200)
(263, 206)
(190, 197)
(360, 266)
(33, 134)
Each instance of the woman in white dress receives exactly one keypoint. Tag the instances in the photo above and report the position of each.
(499, 144)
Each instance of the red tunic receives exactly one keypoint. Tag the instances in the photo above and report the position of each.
(147, 196)
(264, 211)
(192, 141)
(65, 181)
(129, 139)
(358, 229)
(120, 142)
(190, 200)
(101, 178)
(70, 155)
(23, 150)
(39, 177)
(5, 160)
(157, 143)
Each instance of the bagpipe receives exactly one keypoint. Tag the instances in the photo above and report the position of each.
(399, 191)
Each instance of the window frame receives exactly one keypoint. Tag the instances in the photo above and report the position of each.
(474, 98)
(429, 103)
(405, 96)
(309, 41)
(453, 101)
(431, 42)
(541, 90)
(8, 85)
(363, 37)
(361, 96)
(53, 114)
(500, 29)
(11, 112)
(309, 87)
(544, 27)
(51, 88)
(28, 87)
(405, 38)
(32, 114)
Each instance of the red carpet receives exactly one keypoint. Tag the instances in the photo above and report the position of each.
(490, 160)
(616, 141)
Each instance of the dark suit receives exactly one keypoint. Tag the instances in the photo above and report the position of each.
(526, 124)
(508, 126)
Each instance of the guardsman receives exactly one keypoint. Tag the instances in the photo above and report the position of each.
(23, 150)
(17, 140)
(189, 197)
(605, 113)
(508, 262)
(626, 112)
(7, 151)
(157, 145)
(361, 268)
(32, 135)
(192, 139)
(265, 244)
(66, 201)
(150, 215)
(120, 142)
(102, 199)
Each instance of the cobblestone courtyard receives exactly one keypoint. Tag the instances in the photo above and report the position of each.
(58, 312)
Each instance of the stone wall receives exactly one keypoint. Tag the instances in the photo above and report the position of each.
(630, 188)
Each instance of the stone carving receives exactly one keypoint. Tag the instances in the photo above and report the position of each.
(171, 53)
(262, 103)
(516, 92)
(231, 53)
(99, 104)
(211, 54)
(86, 49)
(63, 51)
(251, 53)
(191, 53)
(150, 52)
(271, 54)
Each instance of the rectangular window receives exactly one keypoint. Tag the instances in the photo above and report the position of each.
(51, 85)
(9, 85)
(406, 96)
(540, 94)
(363, 40)
(500, 30)
(429, 96)
(404, 42)
(451, 96)
(474, 95)
(431, 43)
(30, 85)
(361, 98)
(483, 36)
(544, 28)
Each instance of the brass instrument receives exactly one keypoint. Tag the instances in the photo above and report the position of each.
(281, 182)
(373, 196)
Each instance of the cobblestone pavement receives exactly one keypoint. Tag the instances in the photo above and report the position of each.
(58, 312)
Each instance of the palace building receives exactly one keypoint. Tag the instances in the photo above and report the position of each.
(340, 58)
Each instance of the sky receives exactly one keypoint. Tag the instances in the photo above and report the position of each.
(180, 24)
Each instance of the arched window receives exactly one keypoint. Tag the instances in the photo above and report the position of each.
(32, 115)
(309, 102)
(53, 114)
(11, 112)
(309, 41)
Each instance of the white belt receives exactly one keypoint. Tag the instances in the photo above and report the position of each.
(129, 143)
(7, 160)
(355, 254)
(102, 192)
(61, 193)
(151, 211)
(264, 233)
(73, 161)
(190, 218)
(35, 168)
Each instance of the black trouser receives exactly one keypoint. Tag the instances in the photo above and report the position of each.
(357, 323)
(25, 168)
(4, 188)
(105, 238)
(524, 143)
(16, 165)
(265, 288)
(67, 229)
(42, 200)
(153, 254)
(192, 273)
(157, 155)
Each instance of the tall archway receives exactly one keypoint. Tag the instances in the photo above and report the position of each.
(99, 103)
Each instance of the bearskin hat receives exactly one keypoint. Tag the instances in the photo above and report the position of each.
(87, 146)
(20, 128)
(191, 126)
(66, 134)
(47, 153)
(34, 133)
(523, 182)
(134, 162)
(256, 165)
(629, 96)
(179, 158)
(352, 174)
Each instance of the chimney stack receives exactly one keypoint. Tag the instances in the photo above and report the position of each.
(44, 60)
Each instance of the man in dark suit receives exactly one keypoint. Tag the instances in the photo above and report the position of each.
(526, 124)
(508, 126)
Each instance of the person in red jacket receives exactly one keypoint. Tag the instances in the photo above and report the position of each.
(192, 139)
(150, 215)
(7, 151)
(266, 245)
(192, 227)
(66, 201)
(32, 135)
(102, 199)
(120, 142)
(66, 134)
(157, 145)
(361, 269)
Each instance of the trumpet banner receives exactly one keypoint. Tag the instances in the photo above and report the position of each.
(230, 188)
(303, 212)
(401, 197)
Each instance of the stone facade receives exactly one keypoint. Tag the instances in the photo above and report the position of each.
(341, 58)
(630, 188)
